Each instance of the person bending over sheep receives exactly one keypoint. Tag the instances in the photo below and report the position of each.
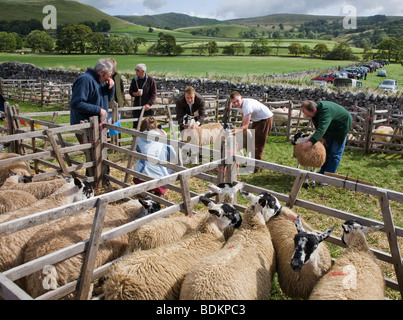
(332, 122)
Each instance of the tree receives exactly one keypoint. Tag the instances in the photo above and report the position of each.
(104, 26)
(295, 49)
(166, 45)
(390, 48)
(212, 48)
(234, 49)
(7, 42)
(40, 41)
(73, 38)
(260, 47)
(341, 51)
(96, 42)
(320, 50)
(367, 54)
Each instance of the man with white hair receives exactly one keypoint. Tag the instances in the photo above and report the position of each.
(144, 90)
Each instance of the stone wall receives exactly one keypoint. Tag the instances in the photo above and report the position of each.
(17, 70)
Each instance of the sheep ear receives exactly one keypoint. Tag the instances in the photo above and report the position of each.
(11, 172)
(214, 188)
(249, 196)
(325, 234)
(298, 224)
(78, 183)
(239, 186)
(371, 229)
(206, 201)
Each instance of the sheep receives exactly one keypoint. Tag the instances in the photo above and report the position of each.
(243, 140)
(204, 135)
(21, 167)
(11, 200)
(383, 134)
(243, 269)
(302, 257)
(356, 275)
(158, 273)
(13, 245)
(39, 189)
(73, 229)
(313, 158)
(280, 116)
(170, 229)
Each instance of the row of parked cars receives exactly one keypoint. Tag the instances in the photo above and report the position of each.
(351, 76)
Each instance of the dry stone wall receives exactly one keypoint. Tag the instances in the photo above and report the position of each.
(17, 70)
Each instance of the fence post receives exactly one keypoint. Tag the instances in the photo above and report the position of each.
(370, 123)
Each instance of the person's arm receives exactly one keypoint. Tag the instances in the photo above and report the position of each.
(201, 109)
(324, 120)
(133, 88)
(245, 124)
(180, 110)
(153, 92)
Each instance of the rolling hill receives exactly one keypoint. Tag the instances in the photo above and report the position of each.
(68, 12)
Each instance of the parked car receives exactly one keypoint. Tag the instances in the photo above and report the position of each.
(389, 85)
(382, 73)
(347, 82)
(324, 77)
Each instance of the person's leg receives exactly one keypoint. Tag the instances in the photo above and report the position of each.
(334, 152)
(262, 129)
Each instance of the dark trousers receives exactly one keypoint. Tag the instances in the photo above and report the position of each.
(262, 129)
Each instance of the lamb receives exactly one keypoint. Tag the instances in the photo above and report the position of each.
(243, 269)
(313, 158)
(170, 229)
(158, 273)
(73, 229)
(13, 245)
(205, 135)
(39, 189)
(21, 167)
(356, 275)
(11, 200)
(302, 257)
(244, 140)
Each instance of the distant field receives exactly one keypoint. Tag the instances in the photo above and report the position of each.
(183, 66)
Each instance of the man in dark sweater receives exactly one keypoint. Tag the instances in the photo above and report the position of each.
(190, 103)
(144, 90)
(332, 122)
(92, 91)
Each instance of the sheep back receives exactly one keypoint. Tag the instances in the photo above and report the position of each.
(242, 270)
(69, 231)
(314, 157)
(158, 273)
(297, 285)
(163, 231)
(21, 167)
(356, 275)
(11, 200)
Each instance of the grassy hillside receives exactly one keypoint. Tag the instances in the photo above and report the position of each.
(171, 20)
(68, 12)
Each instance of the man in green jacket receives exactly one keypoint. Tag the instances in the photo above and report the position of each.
(332, 122)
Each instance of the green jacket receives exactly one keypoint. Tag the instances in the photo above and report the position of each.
(331, 120)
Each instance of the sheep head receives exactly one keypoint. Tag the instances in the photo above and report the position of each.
(299, 138)
(188, 121)
(227, 215)
(352, 226)
(306, 245)
(265, 203)
(228, 190)
(149, 206)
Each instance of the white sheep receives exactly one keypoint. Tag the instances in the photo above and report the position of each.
(355, 275)
(158, 273)
(39, 189)
(243, 269)
(280, 116)
(75, 228)
(302, 256)
(11, 200)
(383, 134)
(205, 135)
(21, 167)
(314, 158)
(170, 229)
(13, 245)
(243, 140)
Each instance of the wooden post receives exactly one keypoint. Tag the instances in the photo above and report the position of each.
(96, 151)
(57, 152)
(92, 250)
(10, 128)
(184, 180)
(389, 228)
(299, 181)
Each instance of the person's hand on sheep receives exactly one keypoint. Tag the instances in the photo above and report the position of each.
(305, 146)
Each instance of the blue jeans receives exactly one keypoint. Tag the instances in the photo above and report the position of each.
(334, 152)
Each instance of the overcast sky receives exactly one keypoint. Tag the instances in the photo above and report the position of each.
(230, 9)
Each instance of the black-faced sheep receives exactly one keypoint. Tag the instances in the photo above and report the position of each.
(313, 158)
(21, 167)
(76, 228)
(170, 229)
(302, 257)
(13, 245)
(158, 273)
(39, 189)
(355, 275)
(243, 269)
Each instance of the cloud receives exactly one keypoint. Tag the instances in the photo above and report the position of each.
(154, 4)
